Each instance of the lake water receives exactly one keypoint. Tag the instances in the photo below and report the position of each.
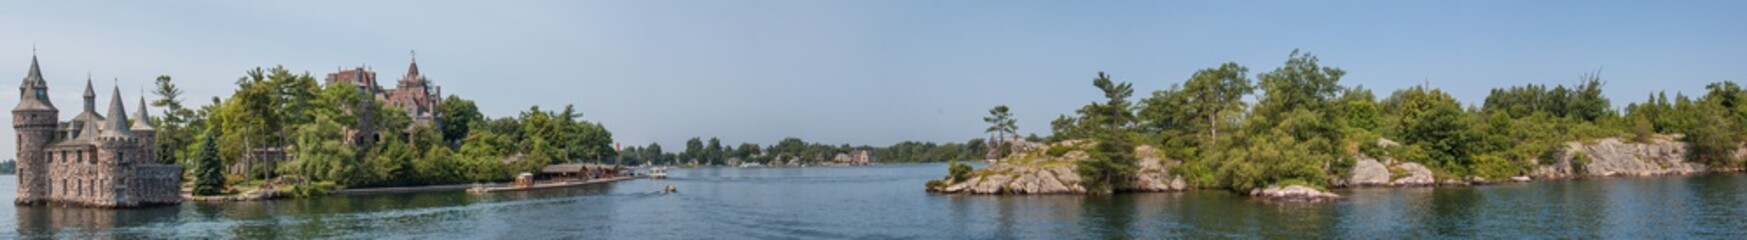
(888, 202)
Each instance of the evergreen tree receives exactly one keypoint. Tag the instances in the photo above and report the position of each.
(209, 173)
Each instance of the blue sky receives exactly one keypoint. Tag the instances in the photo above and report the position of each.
(860, 72)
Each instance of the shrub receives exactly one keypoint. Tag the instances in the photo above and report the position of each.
(957, 171)
(1495, 167)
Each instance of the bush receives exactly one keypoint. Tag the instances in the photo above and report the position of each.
(1713, 141)
(1495, 167)
(957, 171)
(1642, 131)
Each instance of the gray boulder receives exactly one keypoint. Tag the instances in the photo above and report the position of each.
(1293, 193)
(1369, 172)
(1414, 175)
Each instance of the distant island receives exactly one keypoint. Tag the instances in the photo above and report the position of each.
(1304, 132)
(8, 167)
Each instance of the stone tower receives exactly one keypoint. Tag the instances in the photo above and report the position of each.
(142, 129)
(34, 120)
(117, 151)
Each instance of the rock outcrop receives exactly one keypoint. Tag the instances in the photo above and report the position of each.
(1613, 157)
(1037, 172)
(1370, 172)
(1153, 176)
(1293, 193)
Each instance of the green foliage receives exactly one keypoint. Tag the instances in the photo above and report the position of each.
(1002, 124)
(208, 172)
(459, 116)
(1495, 167)
(1305, 128)
(1434, 121)
(1713, 140)
(174, 130)
(1642, 131)
(1261, 160)
(958, 171)
(1111, 164)
(1205, 104)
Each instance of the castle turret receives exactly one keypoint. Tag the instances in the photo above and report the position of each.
(117, 151)
(116, 125)
(90, 96)
(142, 129)
(88, 117)
(34, 120)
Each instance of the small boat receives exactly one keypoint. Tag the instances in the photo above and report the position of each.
(658, 172)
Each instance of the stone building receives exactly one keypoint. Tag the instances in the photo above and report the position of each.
(91, 160)
(857, 157)
(414, 94)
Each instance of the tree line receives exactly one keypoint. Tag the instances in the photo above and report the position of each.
(1305, 127)
(277, 110)
(712, 151)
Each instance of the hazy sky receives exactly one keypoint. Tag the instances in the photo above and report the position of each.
(862, 72)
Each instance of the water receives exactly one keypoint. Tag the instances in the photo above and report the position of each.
(887, 202)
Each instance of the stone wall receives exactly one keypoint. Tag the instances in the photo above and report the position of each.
(155, 184)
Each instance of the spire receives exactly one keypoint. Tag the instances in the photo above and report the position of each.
(414, 69)
(90, 95)
(142, 121)
(33, 91)
(116, 124)
(35, 75)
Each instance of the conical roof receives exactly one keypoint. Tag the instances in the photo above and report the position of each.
(142, 121)
(89, 113)
(89, 92)
(414, 69)
(90, 96)
(116, 125)
(33, 91)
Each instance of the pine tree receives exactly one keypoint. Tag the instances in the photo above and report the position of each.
(209, 178)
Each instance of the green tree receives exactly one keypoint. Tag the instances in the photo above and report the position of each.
(1001, 124)
(713, 151)
(173, 124)
(1432, 119)
(458, 117)
(1216, 92)
(209, 174)
(694, 149)
(655, 152)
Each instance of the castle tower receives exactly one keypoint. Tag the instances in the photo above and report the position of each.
(117, 150)
(142, 129)
(34, 121)
(90, 96)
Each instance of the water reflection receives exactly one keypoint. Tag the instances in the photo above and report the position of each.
(75, 222)
(885, 202)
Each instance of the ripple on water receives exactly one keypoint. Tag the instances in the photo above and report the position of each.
(887, 202)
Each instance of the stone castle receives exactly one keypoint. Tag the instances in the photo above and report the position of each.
(91, 160)
(414, 94)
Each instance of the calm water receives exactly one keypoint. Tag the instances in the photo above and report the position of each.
(887, 202)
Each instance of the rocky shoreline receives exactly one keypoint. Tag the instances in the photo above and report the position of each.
(1037, 171)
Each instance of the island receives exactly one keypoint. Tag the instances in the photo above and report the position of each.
(1297, 132)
